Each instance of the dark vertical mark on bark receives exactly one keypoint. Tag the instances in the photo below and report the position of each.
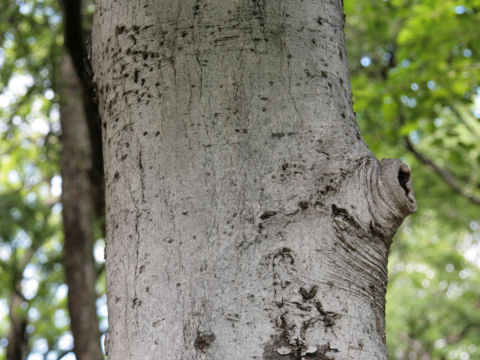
(203, 340)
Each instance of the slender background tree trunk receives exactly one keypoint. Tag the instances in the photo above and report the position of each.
(76, 44)
(17, 347)
(78, 218)
(246, 218)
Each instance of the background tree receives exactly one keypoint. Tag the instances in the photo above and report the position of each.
(31, 233)
(82, 174)
(78, 218)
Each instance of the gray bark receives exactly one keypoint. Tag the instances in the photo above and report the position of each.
(78, 217)
(246, 218)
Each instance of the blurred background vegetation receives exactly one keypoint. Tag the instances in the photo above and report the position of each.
(415, 68)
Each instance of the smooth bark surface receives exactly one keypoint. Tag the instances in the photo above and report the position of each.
(78, 218)
(246, 218)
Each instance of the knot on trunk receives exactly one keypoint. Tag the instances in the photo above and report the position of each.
(395, 187)
(375, 198)
(391, 195)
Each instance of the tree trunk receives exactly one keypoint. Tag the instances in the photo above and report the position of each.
(17, 347)
(246, 218)
(78, 218)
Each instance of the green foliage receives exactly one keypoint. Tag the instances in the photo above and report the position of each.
(415, 77)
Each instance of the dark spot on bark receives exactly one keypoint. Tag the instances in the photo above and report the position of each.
(270, 351)
(328, 317)
(322, 351)
(344, 215)
(119, 30)
(278, 135)
(134, 39)
(196, 9)
(303, 205)
(301, 306)
(203, 340)
(136, 302)
(283, 254)
(116, 176)
(319, 307)
(308, 294)
(267, 214)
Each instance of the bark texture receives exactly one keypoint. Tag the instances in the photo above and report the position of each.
(246, 218)
(78, 218)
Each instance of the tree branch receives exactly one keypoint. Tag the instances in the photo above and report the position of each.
(64, 353)
(464, 122)
(443, 173)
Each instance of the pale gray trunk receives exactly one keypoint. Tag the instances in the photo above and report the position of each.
(246, 218)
